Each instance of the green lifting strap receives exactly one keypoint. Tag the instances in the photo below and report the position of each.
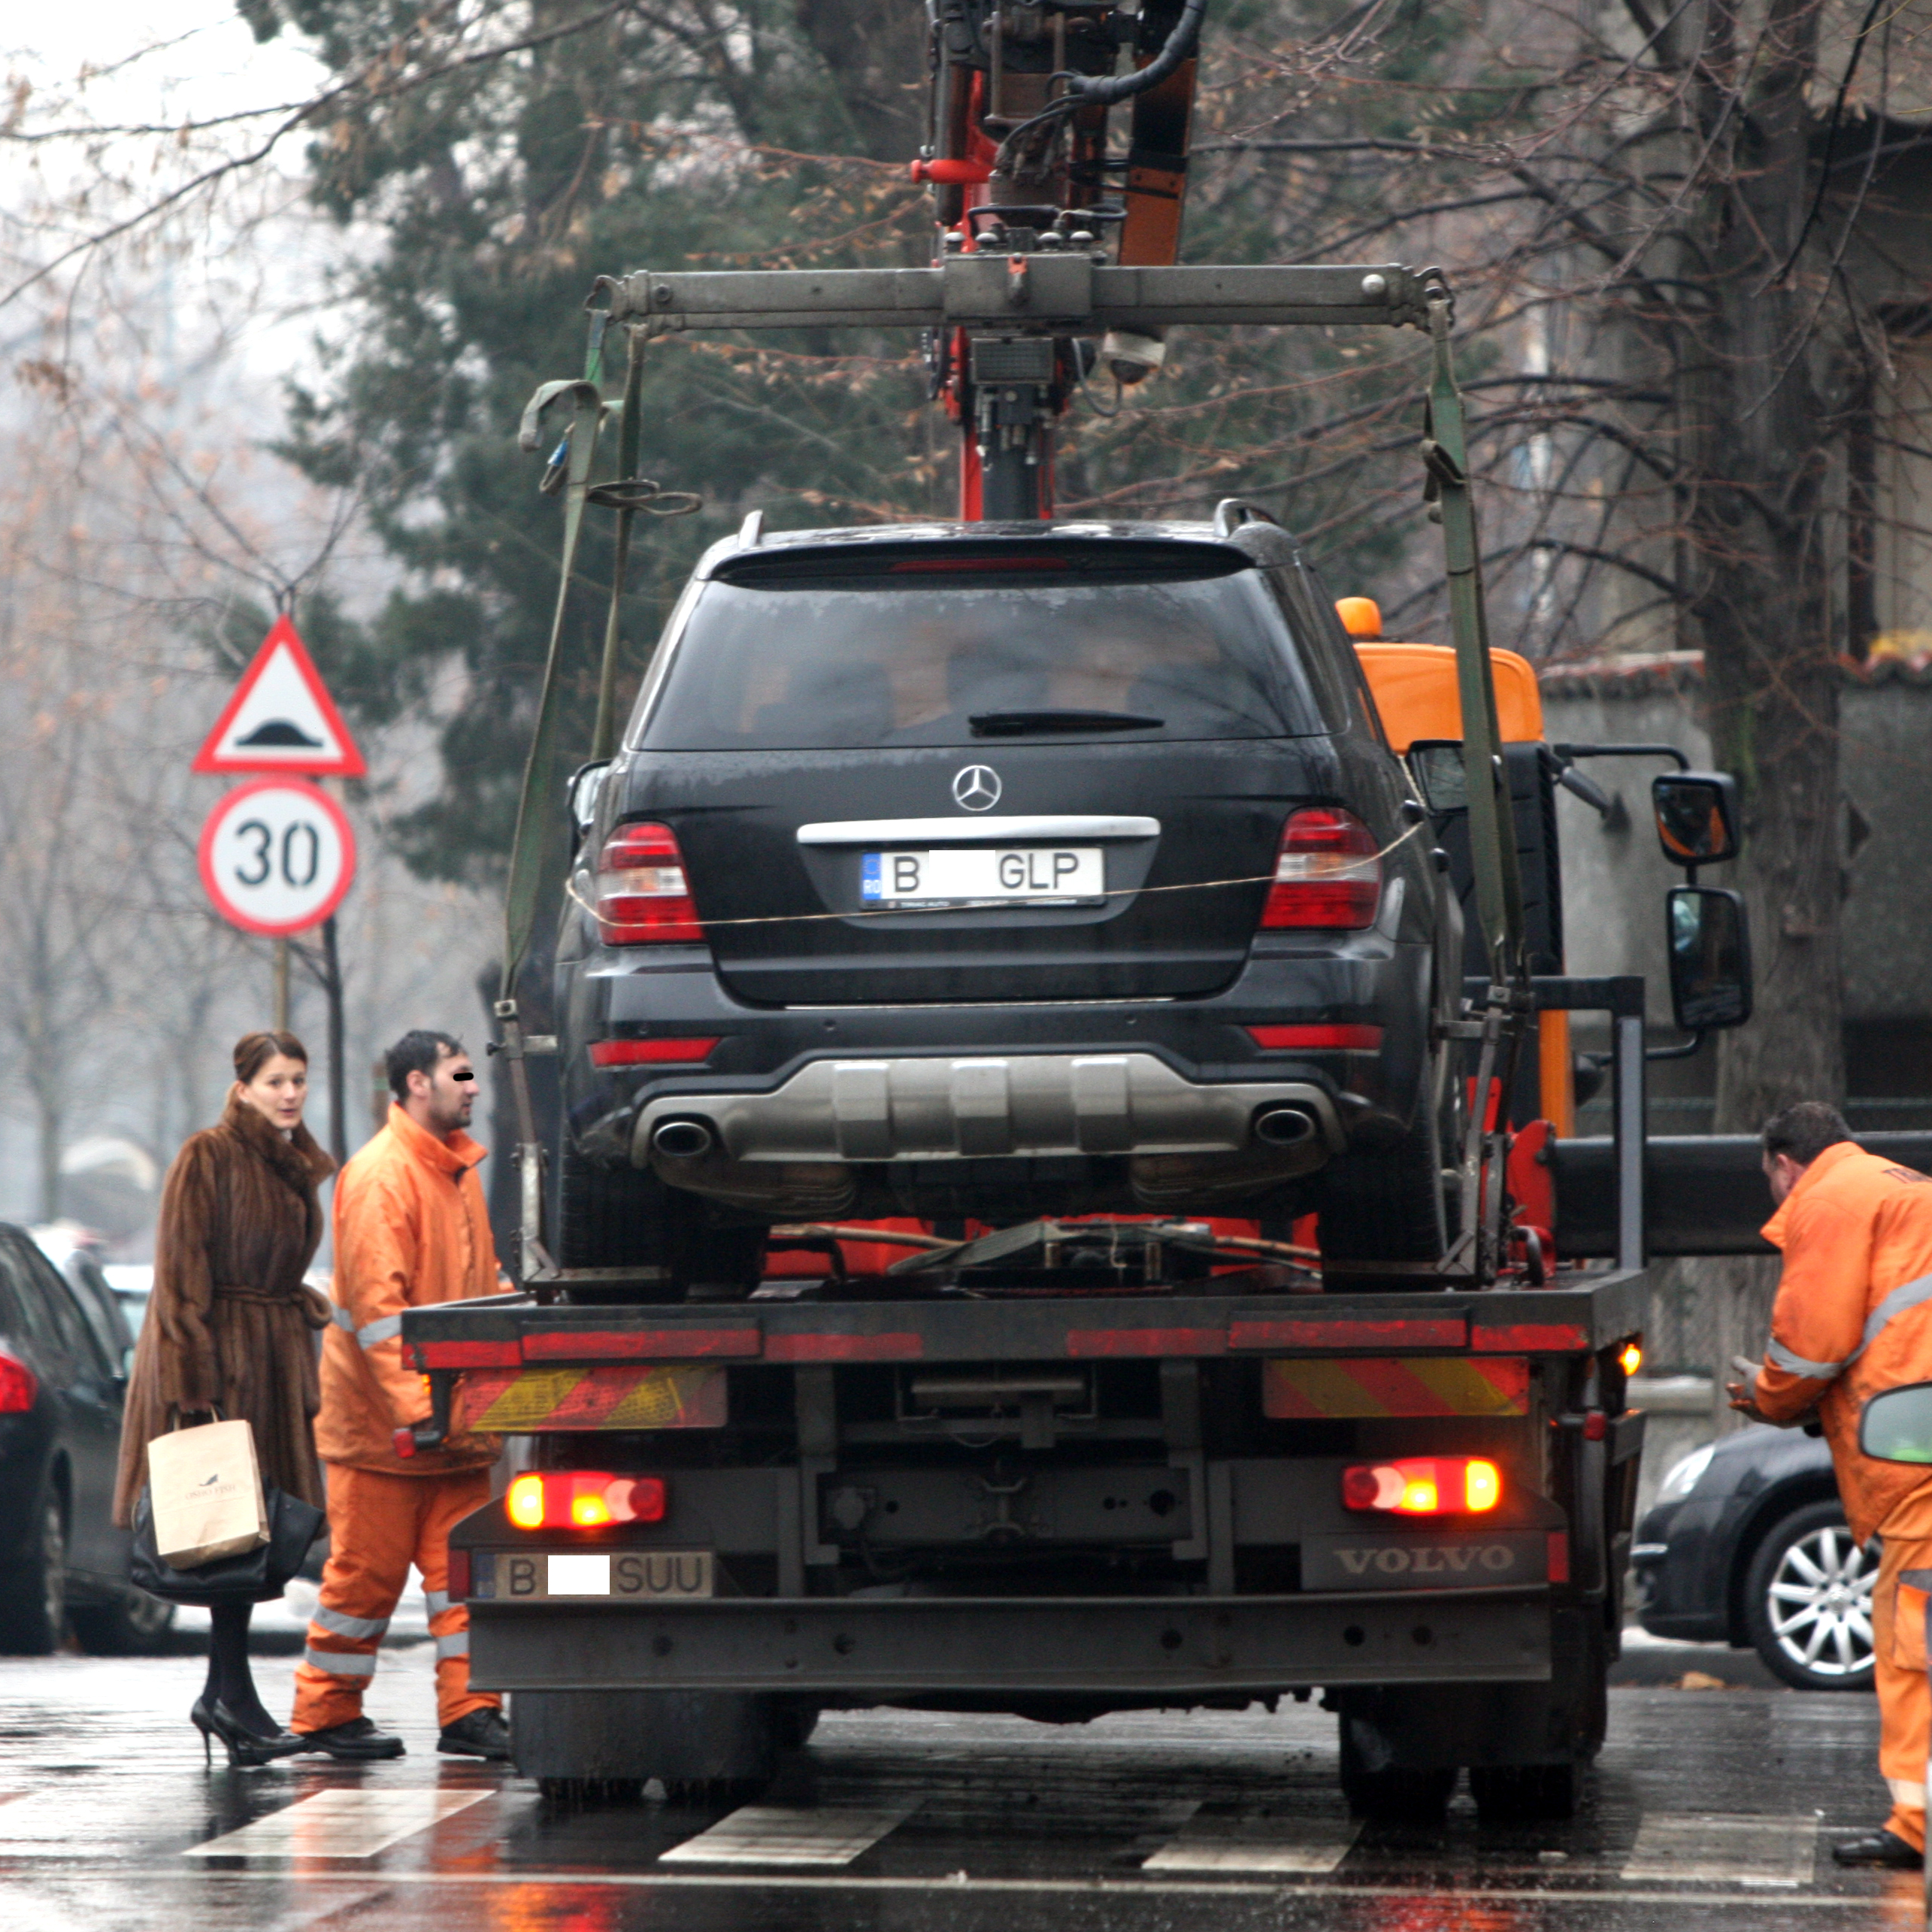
(1492, 824)
(519, 898)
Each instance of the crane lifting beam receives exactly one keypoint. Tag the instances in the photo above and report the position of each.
(1037, 292)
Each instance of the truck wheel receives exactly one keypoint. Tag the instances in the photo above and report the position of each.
(1399, 1796)
(584, 1744)
(612, 1217)
(1808, 1601)
(1525, 1794)
(1385, 1206)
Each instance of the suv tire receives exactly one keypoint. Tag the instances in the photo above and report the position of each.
(609, 1217)
(33, 1603)
(1820, 1577)
(1385, 1205)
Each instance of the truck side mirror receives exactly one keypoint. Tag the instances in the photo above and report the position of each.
(1710, 945)
(1697, 817)
(581, 795)
(1896, 1424)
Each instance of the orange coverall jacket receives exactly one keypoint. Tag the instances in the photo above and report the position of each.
(410, 1231)
(1854, 1312)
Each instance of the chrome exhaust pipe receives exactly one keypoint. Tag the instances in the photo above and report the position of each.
(1285, 1126)
(681, 1139)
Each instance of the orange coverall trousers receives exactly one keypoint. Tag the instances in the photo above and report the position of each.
(1904, 1707)
(378, 1526)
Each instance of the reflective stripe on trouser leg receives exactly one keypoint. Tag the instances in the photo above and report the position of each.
(1905, 1709)
(452, 1498)
(372, 1524)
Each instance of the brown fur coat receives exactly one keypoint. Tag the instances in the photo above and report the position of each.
(230, 1324)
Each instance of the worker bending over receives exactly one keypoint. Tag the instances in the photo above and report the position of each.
(410, 1231)
(1853, 1316)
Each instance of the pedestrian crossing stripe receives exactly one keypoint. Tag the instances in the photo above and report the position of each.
(767, 1834)
(1303, 1390)
(340, 1824)
(523, 1401)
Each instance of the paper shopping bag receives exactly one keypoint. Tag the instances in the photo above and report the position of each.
(207, 1492)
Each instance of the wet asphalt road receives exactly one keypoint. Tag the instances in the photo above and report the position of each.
(912, 1823)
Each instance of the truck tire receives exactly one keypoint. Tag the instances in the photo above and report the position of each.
(1525, 1794)
(613, 1217)
(1401, 1794)
(584, 1744)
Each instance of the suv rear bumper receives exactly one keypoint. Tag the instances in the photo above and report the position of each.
(931, 1107)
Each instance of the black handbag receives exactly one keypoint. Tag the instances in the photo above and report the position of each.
(257, 1576)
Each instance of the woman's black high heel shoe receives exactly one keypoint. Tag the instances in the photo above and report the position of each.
(244, 1747)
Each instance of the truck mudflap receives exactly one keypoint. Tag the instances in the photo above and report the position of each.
(869, 1649)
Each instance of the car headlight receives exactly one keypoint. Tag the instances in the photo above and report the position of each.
(1684, 1474)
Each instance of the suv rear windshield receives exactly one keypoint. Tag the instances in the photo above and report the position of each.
(920, 645)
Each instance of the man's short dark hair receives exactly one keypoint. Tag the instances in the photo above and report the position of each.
(417, 1052)
(1803, 1130)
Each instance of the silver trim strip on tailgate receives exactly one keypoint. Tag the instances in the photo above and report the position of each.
(972, 831)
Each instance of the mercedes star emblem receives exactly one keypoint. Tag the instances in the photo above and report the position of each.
(977, 789)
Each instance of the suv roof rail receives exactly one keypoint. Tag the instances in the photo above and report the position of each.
(751, 530)
(1231, 512)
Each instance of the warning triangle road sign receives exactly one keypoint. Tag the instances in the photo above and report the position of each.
(281, 718)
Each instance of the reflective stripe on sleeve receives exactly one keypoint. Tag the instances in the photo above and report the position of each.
(334, 1621)
(341, 1663)
(457, 1644)
(1908, 1294)
(435, 1602)
(385, 1330)
(1796, 1364)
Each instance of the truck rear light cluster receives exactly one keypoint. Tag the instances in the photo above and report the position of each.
(1424, 1485)
(642, 896)
(584, 1499)
(650, 1052)
(18, 1386)
(1317, 1039)
(1327, 873)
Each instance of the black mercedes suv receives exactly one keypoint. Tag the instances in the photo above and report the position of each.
(994, 870)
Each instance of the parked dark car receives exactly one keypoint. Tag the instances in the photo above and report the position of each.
(991, 870)
(64, 1351)
(1747, 1546)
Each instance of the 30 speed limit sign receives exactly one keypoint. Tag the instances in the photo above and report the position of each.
(276, 856)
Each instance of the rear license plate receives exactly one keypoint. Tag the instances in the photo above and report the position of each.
(1050, 875)
(582, 1575)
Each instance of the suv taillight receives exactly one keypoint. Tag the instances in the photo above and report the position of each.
(1327, 873)
(643, 898)
(18, 1386)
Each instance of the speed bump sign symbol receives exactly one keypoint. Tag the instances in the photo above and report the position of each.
(276, 856)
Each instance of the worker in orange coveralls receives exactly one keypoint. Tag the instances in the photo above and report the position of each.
(1853, 1316)
(410, 1231)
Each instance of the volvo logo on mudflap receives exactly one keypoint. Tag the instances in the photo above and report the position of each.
(1427, 1559)
(977, 789)
(1440, 1562)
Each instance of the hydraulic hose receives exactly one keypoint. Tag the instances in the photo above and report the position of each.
(1103, 90)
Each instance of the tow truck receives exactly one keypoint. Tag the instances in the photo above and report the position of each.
(1084, 1463)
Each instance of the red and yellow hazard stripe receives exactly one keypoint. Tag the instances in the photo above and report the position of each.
(520, 1401)
(1303, 1390)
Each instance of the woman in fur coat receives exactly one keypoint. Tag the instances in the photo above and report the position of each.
(231, 1328)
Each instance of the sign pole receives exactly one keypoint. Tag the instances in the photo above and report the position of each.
(281, 986)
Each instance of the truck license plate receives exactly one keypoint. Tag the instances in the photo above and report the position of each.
(580, 1576)
(1037, 875)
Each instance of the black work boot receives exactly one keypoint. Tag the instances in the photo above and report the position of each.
(482, 1733)
(1877, 1847)
(357, 1741)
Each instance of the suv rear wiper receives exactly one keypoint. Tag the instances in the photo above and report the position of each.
(1018, 724)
